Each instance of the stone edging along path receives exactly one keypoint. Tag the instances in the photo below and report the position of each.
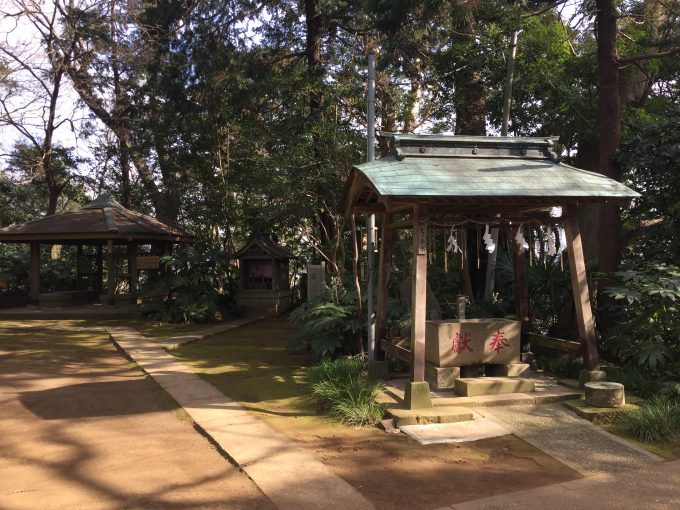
(290, 477)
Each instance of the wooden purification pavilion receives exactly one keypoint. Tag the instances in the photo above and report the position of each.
(133, 242)
(450, 180)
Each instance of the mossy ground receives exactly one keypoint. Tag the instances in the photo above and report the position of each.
(668, 450)
(253, 365)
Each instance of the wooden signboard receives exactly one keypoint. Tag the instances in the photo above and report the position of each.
(148, 262)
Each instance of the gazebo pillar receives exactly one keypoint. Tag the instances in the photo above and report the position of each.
(584, 313)
(110, 272)
(100, 268)
(132, 270)
(417, 394)
(35, 272)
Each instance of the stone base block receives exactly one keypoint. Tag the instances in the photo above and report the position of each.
(417, 395)
(441, 378)
(605, 394)
(472, 371)
(509, 370)
(378, 370)
(586, 376)
(600, 414)
(440, 414)
(476, 386)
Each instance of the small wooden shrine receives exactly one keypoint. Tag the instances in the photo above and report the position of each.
(264, 276)
(114, 244)
(446, 181)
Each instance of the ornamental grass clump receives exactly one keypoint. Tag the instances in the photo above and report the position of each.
(341, 389)
(658, 420)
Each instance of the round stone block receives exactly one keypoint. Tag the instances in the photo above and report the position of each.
(605, 394)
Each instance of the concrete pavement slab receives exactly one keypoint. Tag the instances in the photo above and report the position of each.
(462, 432)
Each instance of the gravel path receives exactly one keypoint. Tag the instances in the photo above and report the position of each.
(572, 440)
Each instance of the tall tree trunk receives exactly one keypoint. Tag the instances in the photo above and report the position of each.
(314, 22)
(609, 127)
(471, 120)
(412, 106)
(118, 107)
(55, 188)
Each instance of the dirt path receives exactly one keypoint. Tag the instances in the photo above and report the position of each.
(83, 428)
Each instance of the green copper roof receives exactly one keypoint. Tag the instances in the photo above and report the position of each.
(452, 166)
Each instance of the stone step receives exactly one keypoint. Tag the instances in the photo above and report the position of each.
(475, 386)
(439, 414)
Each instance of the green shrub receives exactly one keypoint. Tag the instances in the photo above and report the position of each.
(337, 370)
(341, 388)
(649, 332)
(633, 379)
(657, 420)
(330, 325)
(190, 284)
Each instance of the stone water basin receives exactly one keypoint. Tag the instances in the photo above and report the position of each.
(457, 343)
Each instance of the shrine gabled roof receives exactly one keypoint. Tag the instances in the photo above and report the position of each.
(450, 167)
(103, 218)
(265, 243)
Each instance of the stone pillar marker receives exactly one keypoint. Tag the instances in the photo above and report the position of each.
(315, 281)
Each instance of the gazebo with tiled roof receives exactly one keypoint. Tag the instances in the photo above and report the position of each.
(102, 222)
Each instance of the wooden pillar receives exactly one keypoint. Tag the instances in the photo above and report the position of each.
(100, 268)
(521, 290)
(132, 270)
(111, 276)
(383, 298)
(79, 267)
(579, 283)
(35, 272)
(419, 294)
(275, 275)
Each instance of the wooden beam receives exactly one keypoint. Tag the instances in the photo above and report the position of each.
(384, 270)
(579, 283)
(419, 294)
(35, 272)
(399, 224)
(557, 344)
(393, 206)
(397, 351)
(371, 208)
